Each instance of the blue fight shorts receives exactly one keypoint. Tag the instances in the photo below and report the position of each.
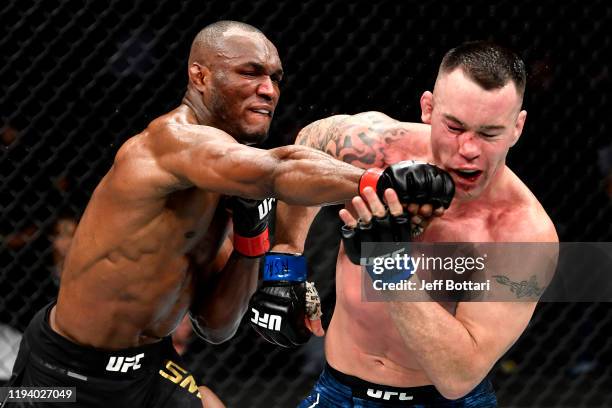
(339, 390)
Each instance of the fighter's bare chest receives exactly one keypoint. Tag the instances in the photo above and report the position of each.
(466, 229)
(198, 216)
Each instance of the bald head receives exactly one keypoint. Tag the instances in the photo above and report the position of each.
(234, 80)
(211, 39)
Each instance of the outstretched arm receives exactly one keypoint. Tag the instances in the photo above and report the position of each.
(212, 160)
(342, 137)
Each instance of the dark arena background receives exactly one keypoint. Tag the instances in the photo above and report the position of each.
(80, 77)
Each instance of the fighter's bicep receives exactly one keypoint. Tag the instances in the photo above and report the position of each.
(212, 160)
(232, 169)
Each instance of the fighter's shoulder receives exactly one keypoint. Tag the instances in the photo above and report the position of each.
(137, 162)
(366, 139)
(175, 132)
(525, 219)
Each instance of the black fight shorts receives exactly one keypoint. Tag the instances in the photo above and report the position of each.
(151, 376)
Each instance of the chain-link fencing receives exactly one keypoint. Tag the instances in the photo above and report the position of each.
(80, 77)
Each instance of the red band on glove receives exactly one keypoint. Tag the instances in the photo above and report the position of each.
(252, 246)
(369, 179)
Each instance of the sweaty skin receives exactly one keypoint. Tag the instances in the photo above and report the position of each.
(152, 242)
(450, 345)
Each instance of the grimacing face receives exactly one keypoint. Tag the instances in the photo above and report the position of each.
(472, 129)
(243, 88)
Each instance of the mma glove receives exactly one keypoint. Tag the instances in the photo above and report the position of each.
(250, 219)
(380, 229)
(413, 181)
(278, 307)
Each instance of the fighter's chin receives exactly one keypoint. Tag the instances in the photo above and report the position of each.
(465, 192)
(464, 195)
(253, 138)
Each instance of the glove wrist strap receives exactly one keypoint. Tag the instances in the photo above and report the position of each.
(280, 266)
(252, 246)
(369, 179)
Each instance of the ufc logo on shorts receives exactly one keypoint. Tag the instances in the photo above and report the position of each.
(386, 395)
(265, 207)
(124, 363)
(269, 321)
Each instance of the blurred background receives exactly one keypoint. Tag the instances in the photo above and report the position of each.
(78, 78)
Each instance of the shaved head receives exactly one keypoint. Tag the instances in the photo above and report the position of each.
(212, 37)
(234, 80)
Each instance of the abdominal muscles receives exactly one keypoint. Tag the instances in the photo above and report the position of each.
(362, 339)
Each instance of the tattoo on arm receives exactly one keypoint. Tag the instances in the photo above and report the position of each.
(523, 288)
(361, 143)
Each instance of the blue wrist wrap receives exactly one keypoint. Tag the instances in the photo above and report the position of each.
(280, 266)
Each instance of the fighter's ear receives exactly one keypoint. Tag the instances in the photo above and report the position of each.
(199, 75)
(426, 107)
(518, 126)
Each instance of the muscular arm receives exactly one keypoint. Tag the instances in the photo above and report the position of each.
(212, 160)
(224, 281)
(369, 139)
(351, 139)
(457, 351)
(223, 298)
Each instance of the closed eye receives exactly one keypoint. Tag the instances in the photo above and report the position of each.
(488, 135)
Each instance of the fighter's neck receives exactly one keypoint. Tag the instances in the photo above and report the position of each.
(198, 113)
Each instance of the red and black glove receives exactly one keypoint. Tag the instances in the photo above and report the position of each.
(413, 181)
(250, 218)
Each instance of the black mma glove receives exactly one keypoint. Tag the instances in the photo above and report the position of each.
(278, 307)
(414, 182)
(250, 218)
(385, 229)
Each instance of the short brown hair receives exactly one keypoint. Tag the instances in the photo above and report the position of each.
(488, 64)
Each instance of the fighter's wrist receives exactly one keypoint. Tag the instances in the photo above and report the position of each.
(281, 266)
(254, 246)
(370, 178)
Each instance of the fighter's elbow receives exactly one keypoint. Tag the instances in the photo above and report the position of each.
(217, 336)
(214, 335)
(455, 390)
(458, 384)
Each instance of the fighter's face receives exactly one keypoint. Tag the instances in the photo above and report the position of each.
(244, 87)
(472, 129)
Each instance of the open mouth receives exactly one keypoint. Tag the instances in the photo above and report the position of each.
(264, 112)
(468, 175)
